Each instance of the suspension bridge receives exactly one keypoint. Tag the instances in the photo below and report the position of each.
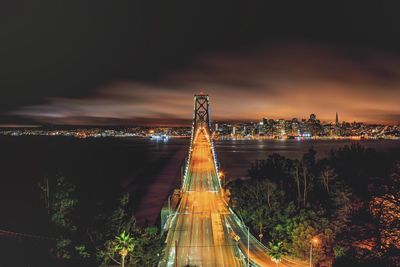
(204, 230)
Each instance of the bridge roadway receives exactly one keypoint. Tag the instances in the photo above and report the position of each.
(201, 225)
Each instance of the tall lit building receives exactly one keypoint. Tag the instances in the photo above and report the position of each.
(337, 119)
(337, 125)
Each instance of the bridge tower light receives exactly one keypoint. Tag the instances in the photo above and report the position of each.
(201, 114)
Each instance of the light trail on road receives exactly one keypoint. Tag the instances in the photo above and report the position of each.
(199, 226)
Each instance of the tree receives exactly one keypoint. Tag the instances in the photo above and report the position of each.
(148, 243)
(386, 210)
(265, 196)
(123, 244)
(275, 168)
(97, 237)
(61, 205)
(307, 167)
(282, 224)
(255, 200)
(341, 206)
(327, 176)
(121, 218)
(149, 247)
(276, 251)
(308, 225)
(107, 226)
(294, 171)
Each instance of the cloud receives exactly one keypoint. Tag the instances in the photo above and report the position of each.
(277, 81)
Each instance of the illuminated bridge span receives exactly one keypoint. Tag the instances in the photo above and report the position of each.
(204, 231)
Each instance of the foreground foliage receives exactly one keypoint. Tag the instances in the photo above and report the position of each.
(348, 201)
(103, 237)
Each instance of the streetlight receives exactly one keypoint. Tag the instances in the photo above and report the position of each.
(248, 246)
(169, 205)
(314, 241)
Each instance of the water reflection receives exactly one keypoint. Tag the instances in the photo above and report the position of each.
(236, 156)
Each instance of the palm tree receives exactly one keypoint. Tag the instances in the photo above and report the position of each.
(124, 244)
(276, 251)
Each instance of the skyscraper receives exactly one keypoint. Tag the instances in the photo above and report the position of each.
(337, 119)
(337, 125)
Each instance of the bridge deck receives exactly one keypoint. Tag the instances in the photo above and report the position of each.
(198, 226)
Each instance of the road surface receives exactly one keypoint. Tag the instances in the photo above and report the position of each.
(198, 226)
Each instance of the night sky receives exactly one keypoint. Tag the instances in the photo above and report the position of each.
(140, 62)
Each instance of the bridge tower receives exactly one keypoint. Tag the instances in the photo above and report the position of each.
(201, 114)
(201, 118)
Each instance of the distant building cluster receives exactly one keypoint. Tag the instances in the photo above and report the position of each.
(264, 129)
(101, 132)
(305, 128)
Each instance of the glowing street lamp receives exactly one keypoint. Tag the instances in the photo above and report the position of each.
(314, 241)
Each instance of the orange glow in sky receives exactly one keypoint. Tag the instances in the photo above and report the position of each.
(275, 82)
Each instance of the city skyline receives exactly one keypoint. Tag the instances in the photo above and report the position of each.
(151, 122)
